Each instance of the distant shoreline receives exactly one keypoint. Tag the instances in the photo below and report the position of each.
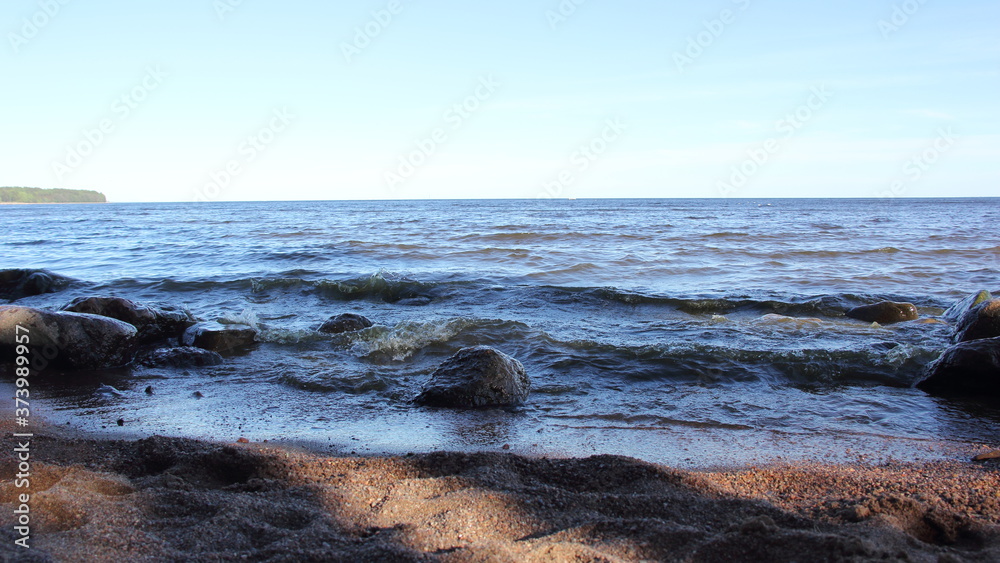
(52, 202)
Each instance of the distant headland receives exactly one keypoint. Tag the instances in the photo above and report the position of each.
(56, 195)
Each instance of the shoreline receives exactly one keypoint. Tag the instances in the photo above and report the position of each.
(52, 202)
(170, 498)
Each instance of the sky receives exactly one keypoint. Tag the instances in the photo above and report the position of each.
(218, 100)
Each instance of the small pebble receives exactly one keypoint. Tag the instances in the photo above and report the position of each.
(121, 422)
(149, 390)
(243, 441)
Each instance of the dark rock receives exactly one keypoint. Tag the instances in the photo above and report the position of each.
(15, 284)
(346, 322)
(982, 321)
(67, 340)
(153, 323)
(969, 368)
(217, 337)
(183, 357)
(885, 313)
(956, 311)
(477, 377)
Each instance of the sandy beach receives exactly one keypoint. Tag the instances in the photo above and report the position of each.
(172, 499)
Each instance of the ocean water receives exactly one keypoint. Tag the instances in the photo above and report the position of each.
(691, 332)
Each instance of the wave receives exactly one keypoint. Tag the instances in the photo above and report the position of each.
(823, 305)
(576, 363)
(400, 342)
(694, 362)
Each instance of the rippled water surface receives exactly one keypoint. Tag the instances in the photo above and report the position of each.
(685, 331)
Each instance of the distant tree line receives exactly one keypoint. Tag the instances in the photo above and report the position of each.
(57, 195)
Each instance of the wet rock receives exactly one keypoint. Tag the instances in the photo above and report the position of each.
(884, 313)
(65, 340)
(958, 310)
(153, 323)
(183, 357)
(18, 283)
(477, 377)
(970, 368)
(982, 321)
(217, 337)
(346, 322)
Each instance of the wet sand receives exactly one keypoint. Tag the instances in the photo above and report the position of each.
(171, 499)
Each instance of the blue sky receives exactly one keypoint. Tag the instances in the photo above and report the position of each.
(254, 100)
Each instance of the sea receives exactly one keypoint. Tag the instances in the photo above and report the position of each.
(697, 333)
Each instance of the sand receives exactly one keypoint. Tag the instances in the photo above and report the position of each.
(171, 499)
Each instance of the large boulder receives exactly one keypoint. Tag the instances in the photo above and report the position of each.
(982, 321)
(970, 368)
(345, 322)
(18, 283)
(477, 377)
(183, 357)
(958, 310)
(885, 313)
(217, 337)
(153, 323)
(67, 340)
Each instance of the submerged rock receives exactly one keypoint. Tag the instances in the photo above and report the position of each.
(346, 322)
(477, 377)
(67, 340)
(885, 313)
(153, 323)
(217, 337)
(982, 321)
(969, 368)
(183, 357)
(18, 283)
(956, 311)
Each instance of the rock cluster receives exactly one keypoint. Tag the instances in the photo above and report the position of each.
(972, 366)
